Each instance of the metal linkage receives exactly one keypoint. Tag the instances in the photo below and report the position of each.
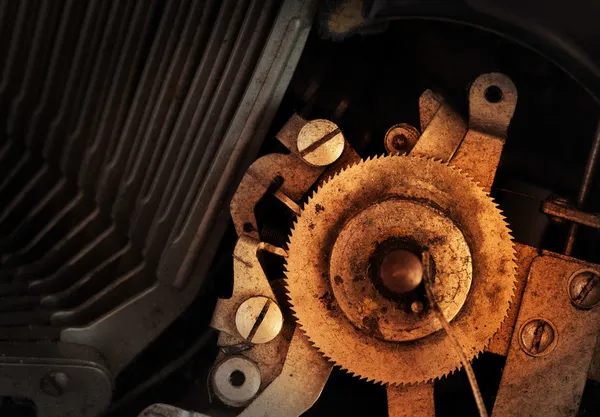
(261, 356)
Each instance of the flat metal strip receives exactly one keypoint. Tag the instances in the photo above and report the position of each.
(549, 382)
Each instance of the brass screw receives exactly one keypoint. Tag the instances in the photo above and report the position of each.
(584, 290)
(259, 319)
(320, 142)
(537, 337)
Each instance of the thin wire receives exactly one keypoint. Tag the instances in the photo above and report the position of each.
(461, 353)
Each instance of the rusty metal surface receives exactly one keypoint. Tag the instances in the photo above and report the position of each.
(429, 104)
(369, 184)
(594, 371)
(557, 207)
(288, 134)
(411, 401)
(350, 265)
(288, 176)
(489, 118)
(545, 373)
(401, 138)
(249, 283)
(501, 341)
(443, 132)
(298, 386)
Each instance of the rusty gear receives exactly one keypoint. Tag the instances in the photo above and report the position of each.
(420, 202)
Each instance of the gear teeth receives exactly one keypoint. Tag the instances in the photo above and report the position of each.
(506, 233)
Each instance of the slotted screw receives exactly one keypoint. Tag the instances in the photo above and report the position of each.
(537, 337)
(584, 290)
(259, 319)
(320, 142)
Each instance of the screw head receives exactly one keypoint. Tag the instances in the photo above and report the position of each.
(537, 337)
(320, 142)
(259, 319)
(54, 383)
(417, 307)
(584, 290)
(401, 138)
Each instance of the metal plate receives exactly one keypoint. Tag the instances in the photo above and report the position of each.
(549, 385)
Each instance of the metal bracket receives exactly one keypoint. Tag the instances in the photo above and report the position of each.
(492, 102)
(443, 128)
(553, 341)
(57, 377)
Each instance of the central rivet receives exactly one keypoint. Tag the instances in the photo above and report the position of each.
(401, 271)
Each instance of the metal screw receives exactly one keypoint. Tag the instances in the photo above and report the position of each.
(401, 138)
(54, 383)
(259, 319)
(537, 337)
(320, 142)
(417, 307)
(584, 290)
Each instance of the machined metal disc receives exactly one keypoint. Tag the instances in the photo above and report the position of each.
(430, 205)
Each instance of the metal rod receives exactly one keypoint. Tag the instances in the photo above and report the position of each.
(590, 168)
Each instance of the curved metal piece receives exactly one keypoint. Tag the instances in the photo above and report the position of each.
(492, 102)
(304, 374)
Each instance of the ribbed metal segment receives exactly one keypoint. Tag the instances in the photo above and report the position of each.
(112, 116)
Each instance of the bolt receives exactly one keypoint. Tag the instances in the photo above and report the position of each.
(401, 271)
(259, 319)
(401, 138)
(54, 383)
(320, 142)
(584, 290)
(538, 337)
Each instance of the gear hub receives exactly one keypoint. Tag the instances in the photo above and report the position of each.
(354, 272)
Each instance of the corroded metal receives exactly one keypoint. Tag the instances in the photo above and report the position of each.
(411, 401)
(489, 118)
(550, 382)
(401, 138)
(317, 291)
(442, 127)
(501, 340)
(351, 266)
